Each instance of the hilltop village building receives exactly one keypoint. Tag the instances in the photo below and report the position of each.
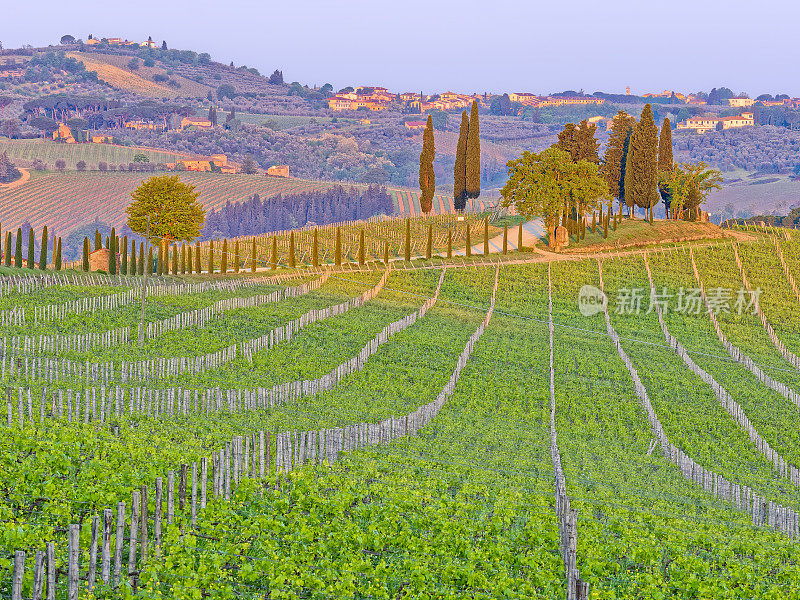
(704, 123)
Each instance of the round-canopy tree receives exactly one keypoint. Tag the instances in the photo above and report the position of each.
(175, 214)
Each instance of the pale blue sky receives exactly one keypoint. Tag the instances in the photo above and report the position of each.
(494, 45)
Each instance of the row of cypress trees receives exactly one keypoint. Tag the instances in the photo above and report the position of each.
(30, 261)
(467, 169)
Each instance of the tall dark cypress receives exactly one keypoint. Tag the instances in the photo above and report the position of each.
(613, 168)
(98, 242)
(43, 252)
(189, 259)
(665, 162)
(57, 257)
(150, 266)
(132, 268)
(641, 174)
(112, 253)
(174, 258)
(124, 261)
(460, 168)
(473, 154)
(31, 248)
(427, 178)
(18, 249)
(197, 265)
(7, 250)
(141, 259)
(85, 261)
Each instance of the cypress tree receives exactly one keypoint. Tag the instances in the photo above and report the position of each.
(18, 249)
(223, 262)
(468, 250)
(291, 249)
(7, 250)
(449, 243)
(197, 265)
(665, 162)
(641, 166)
(337, 253)
(132, 263)
(473, 154)
(174, 248)
(236, 256)
(189, 259)
(43, 252)
(505, 238)
(108, 244)
(210, 257)
(315, 249)
(31, 248)
(460, 168)
(613, 169)
(429, 245)
(486, 236)
(98, 242)
(151, 268)
(112, 253)
(85, 262)
(183, 258)
(361, 251)
(274, 257)
(427, 178)
(568, 141)
(57, 258)
(253, 256)
(407, 253)
(124, 262)
(141, 259)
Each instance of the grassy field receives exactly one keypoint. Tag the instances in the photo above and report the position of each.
(463, 507)
(49, 151)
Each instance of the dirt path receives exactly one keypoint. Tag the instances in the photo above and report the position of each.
(26, 175)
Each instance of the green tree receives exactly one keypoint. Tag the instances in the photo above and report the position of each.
(112, 253)
(223, 261)
(43, 251)
(427, 178)
(474, 154)
(173, 208)
(141, 258)
(548, 185)
(85, 261)
(641, 164)
(98, 240)
(666, 163)
(57, 257)
(124, 261)
(31, 248)
(460, 168)
(689, 184)
(7, 250)
(613, 169)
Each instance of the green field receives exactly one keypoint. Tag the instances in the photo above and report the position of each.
(464, 507)
(92, 154)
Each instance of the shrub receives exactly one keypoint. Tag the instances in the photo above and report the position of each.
(81, 166)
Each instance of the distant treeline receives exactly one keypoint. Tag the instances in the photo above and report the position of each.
(255, 216)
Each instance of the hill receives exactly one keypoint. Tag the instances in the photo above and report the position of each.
(92, 154)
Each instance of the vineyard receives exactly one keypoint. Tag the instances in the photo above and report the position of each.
(440, 432)
(66, 200)
(92, 154)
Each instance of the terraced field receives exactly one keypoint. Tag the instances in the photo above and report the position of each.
(49, 152)
(459, 432)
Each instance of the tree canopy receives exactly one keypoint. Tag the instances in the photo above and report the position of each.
(689, 185)
(549, 184)
(173, 207)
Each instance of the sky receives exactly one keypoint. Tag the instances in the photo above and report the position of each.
(492, 46)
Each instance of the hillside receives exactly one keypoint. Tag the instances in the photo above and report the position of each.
(25, 151)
